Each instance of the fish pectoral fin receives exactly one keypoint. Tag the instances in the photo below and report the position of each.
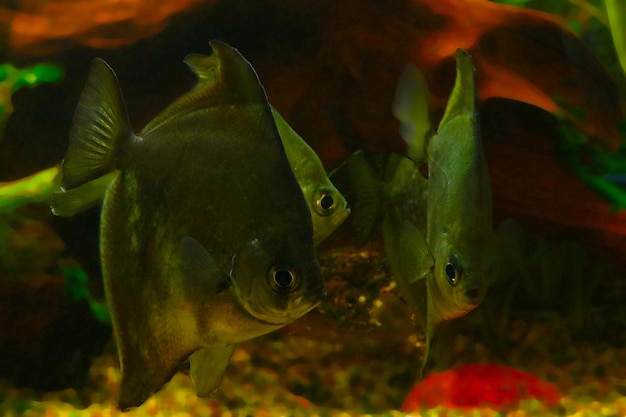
(208, 366)
(410, 261)
(200, 268)
(407, 249)
(101, 126)
(367, 204)
(76, 200)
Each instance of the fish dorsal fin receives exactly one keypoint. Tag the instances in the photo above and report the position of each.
(463, 97)
(302, 158)
(225, 78)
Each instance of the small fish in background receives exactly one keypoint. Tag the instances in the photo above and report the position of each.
(459, 216)
(206, 239)
(328, 206)
(437, 230)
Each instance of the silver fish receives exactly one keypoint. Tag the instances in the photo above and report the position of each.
(206, 239)
(328, 206)
(438, 231)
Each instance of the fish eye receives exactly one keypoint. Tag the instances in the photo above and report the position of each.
(453, 270)
(325, 204)
(451, 273)
(282, 278)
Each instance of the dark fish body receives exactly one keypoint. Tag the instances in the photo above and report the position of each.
(206, 239)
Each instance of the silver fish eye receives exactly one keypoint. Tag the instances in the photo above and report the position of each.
(325, 204)
(282, 278)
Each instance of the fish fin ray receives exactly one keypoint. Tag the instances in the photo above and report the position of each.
(208, 366)
(100, 127)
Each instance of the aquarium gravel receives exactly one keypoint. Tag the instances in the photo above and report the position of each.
(322, 367)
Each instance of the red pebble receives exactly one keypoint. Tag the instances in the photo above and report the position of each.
(471, 386)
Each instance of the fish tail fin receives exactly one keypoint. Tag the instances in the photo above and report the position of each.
(367, 206)
(100, 128)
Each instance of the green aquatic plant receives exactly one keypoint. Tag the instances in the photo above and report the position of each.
(36, 188)
(602, 170)
(77, 290)
(12, 79)
(545, 277)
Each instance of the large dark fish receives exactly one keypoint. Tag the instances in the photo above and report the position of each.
(206, 239)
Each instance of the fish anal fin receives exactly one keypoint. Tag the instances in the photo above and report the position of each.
(100, 127)
(208, 366)
(140, 380)
(153, 341)
(433, 319)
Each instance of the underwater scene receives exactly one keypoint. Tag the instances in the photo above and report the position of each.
(313, 208)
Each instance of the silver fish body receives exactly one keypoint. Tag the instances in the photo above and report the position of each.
(328, 206)
(459, 216)
(437, 230)
(206, 239)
